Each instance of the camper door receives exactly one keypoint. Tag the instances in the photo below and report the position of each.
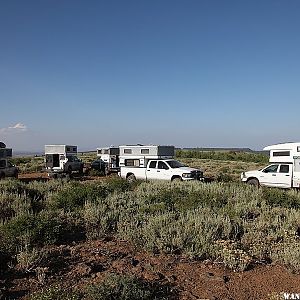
(296, 174)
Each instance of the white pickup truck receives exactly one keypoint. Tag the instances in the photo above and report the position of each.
(284, 170)
(161, 169)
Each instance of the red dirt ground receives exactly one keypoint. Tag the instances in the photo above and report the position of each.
(81, 264)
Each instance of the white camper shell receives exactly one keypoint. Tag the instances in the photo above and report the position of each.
(284, 170)
(139, 155)
(62, 159)
(110, 157)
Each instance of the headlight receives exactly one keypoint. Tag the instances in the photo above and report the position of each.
(187, 175)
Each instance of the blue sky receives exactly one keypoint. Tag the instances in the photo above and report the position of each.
(189, 73)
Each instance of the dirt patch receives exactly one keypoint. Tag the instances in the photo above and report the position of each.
(79, 265)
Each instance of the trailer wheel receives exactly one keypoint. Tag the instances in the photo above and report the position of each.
(253, 181)
(131, 178)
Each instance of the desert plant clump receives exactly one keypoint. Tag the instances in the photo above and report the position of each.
(55, 293)
(127, 287)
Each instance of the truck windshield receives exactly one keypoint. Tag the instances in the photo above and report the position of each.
(175, 164)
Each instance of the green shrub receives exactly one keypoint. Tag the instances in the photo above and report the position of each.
(222, 177)
(55, 293)
(281, 197)
(99, 220)
(125, 287)
(75, 195)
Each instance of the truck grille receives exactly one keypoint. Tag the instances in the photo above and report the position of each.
(197, 174)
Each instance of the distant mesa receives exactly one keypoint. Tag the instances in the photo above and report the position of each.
(2, 145)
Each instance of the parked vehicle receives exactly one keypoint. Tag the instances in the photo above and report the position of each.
(108, 161)
(7, 168)
(154, 162)
(62, 159)
(284, 170)
(99, 165)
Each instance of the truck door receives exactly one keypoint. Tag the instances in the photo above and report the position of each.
(2, 166)
(162, 171)
(10, 169)
(284, 176)
(151, 171)
(268, 176)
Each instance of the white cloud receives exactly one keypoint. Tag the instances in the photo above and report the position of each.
(19, 127)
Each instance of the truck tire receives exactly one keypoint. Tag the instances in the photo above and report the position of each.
(131, 178)
(81, 171)
(69, 170)
(176, 179)
(253, 181)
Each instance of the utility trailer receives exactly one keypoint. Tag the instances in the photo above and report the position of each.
(7, 168)
(108, 160)
(62, 159)
(284, 168)
(149, 162)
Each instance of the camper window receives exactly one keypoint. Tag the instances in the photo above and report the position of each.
(132, 162)
(144, 151)
(127, 151)
(281, 153)
(105, 151)
(68, 149)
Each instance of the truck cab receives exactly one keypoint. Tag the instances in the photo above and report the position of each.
(8, 169)
(171, 170)
(284, 170)
(274, 175)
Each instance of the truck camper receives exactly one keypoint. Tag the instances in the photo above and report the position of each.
(108, 160)
(62, 159)
(149, 162)
(284, 168)
(7, 168)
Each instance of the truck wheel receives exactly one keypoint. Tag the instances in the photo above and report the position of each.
(69, 171)
(81, 170)
(176, 179)
(131, 178)
(253, 181)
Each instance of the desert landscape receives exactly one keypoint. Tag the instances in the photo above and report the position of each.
(100, 237)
